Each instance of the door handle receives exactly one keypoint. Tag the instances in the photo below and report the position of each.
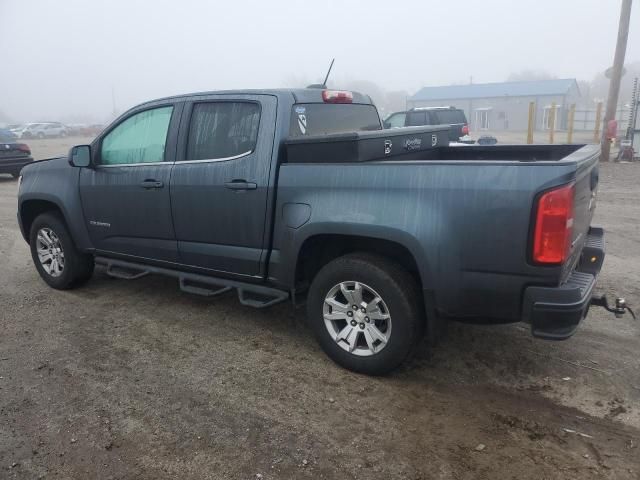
(148, 184)
(240, 185)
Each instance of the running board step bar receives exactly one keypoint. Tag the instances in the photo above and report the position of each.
(189, 287)
(256, 296)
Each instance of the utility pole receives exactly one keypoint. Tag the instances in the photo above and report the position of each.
(616, 75)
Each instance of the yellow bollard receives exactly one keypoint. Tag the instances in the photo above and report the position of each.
(596, 131)
(572, 114)
(532, 111)
(552, 122)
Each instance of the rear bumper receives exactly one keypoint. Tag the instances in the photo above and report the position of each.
(555, 312)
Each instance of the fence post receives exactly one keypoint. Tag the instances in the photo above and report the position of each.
(572, 114)
(596, 131)
(552, 122)
(532, 111)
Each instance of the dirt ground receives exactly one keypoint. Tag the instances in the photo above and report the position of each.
(123, 380)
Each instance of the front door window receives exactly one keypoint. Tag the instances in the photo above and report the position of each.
(141, 138)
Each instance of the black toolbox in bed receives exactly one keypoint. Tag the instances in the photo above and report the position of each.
(409, 143)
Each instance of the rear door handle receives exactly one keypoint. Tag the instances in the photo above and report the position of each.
(147, 184)
(240, 185)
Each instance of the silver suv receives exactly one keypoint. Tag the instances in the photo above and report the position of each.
(40, 130)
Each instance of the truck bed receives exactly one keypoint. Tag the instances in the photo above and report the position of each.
(464, 212)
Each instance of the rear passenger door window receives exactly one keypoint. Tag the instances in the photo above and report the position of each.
(222, 130)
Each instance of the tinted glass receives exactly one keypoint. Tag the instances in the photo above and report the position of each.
(327, 118)
(141, 138)
(222, 130)
(415, 119)
(450, 116)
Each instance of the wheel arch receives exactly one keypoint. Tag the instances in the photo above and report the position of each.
(323, 244)
(32, 208)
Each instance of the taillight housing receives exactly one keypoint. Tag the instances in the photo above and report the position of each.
(337, 96)
(23, 148)
(553, 226)
(465, 130)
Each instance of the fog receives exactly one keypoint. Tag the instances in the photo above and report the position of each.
(74, 59)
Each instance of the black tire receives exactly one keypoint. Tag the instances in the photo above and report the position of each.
(78, 266)
(399, 292)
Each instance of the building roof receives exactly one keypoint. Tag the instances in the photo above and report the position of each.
(493, 90)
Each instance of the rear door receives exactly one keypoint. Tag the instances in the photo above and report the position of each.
(125, 196)
(219, 184)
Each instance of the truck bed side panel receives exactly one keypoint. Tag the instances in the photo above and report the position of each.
(467, 224)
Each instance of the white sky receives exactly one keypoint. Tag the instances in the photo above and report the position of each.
(63, 57)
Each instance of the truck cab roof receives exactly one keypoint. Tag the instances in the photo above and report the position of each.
(298, 95)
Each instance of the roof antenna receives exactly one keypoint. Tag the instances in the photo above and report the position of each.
(323, 85)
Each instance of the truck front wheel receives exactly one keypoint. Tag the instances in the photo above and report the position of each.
(365, 313)
(56, 257)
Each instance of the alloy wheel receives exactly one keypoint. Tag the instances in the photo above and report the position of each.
(357, 318)
(50, 252)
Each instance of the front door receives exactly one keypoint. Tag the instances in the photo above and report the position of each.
(125, 196)
(220, 182)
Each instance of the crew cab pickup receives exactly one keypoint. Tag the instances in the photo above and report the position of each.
(301, 195)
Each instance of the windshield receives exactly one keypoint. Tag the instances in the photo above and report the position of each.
(328, 118)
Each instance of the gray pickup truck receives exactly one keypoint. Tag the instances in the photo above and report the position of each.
(300, 194)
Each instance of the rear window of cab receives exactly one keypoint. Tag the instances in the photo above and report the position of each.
(328, 118)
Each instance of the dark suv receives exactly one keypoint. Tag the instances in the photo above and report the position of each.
(454, 117)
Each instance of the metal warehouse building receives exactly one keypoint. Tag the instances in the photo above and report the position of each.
(504, 106)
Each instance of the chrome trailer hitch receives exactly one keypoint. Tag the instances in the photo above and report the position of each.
(619, 309)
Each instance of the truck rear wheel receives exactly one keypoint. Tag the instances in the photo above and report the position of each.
(56, 257)
(365, 313)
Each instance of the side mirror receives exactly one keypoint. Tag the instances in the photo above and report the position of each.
(386, 124)
(80, 156)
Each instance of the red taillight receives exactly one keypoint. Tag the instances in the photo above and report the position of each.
(554, 226)
(465, 130)
(23, 148)
(337, 96)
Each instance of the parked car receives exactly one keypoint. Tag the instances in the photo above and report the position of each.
(13, 156)
(454, 117)
(6, 135)
(280, 194)
(40, 130)
(75, 129)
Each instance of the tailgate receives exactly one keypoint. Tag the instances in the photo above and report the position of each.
(586, 187)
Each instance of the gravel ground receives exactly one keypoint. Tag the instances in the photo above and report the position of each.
(139, 380)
